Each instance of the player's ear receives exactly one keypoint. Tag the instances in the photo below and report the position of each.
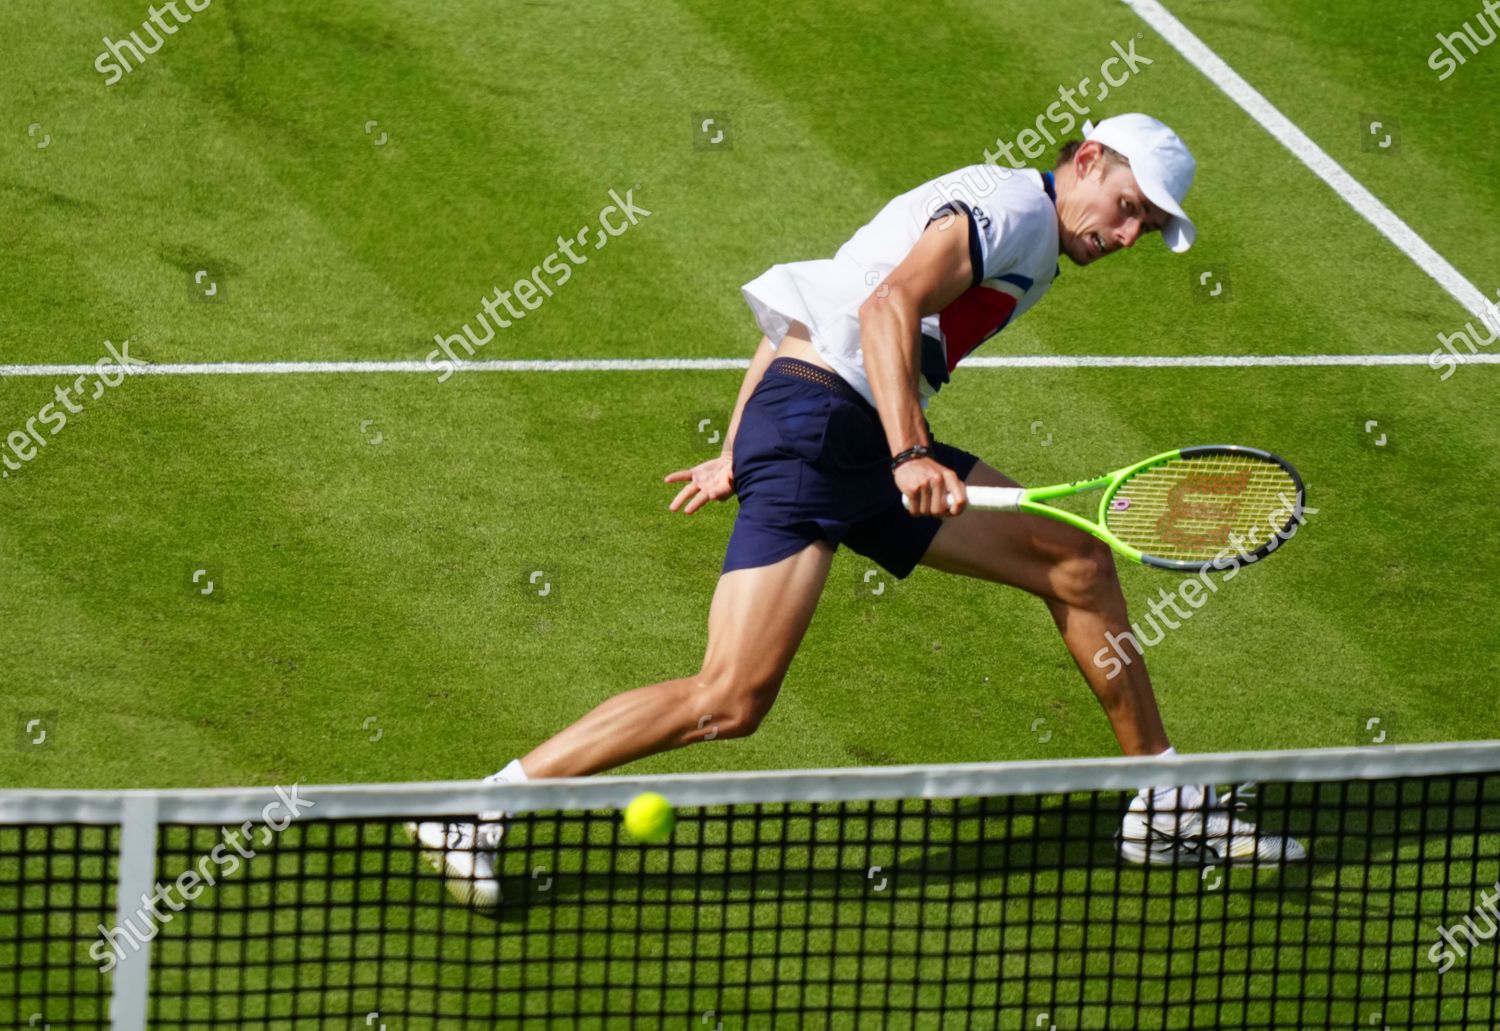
(1089, 160)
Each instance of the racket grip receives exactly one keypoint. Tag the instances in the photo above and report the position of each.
(996, 499)
(987, 499)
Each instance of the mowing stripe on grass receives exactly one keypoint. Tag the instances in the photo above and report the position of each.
(1022, 361)
(1197, 53)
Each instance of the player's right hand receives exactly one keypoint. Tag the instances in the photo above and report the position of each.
(712, 480)
(927, 483)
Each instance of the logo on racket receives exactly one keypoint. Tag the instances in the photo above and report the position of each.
(1191, 521)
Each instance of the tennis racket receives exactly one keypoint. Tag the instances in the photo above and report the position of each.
(1183, 510)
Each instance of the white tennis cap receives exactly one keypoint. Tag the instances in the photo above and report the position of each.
(1162, 166)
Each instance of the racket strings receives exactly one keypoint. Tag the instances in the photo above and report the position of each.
(1191, 509)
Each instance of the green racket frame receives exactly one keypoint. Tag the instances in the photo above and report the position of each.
(1030, 501)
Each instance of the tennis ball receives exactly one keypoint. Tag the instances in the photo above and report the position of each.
(649, 818)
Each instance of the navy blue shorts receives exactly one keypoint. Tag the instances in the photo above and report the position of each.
(811, 463)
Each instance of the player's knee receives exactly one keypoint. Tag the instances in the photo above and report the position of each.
(1087, 577)
(733, 703)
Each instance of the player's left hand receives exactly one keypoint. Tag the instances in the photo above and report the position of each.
(712, 480)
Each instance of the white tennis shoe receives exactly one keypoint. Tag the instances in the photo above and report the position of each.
(466, 854)
(1194, 835)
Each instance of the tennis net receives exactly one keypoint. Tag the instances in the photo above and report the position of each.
(975, 896)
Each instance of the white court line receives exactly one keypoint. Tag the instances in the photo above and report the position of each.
(1197, 53)
(1046, 361)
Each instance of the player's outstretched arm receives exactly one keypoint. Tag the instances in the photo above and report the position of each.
(713, 480)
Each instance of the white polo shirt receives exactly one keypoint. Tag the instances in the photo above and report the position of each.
(1012, 230)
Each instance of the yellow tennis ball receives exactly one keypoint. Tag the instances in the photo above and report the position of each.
(650, 818)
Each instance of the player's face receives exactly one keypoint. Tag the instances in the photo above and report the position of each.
(1104, 211)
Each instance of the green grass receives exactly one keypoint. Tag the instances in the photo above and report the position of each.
(381, 591)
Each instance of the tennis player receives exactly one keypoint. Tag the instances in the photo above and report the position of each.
(828, 433)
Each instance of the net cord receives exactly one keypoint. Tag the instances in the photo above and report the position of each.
(220, 806)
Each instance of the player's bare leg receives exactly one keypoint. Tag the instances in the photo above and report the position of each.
(1075, 575)
(755, 625)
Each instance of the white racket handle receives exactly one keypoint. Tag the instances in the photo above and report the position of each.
(987, 499)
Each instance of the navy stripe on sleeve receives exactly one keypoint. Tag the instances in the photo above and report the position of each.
(976, 256)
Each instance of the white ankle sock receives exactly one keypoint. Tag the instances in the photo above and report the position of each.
(1189, 796)
(512, 773)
